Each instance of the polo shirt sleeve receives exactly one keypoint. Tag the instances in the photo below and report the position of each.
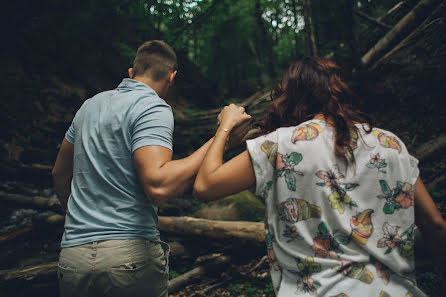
(153, 125)
(69, 135)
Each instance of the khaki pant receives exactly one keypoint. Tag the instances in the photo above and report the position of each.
(130, 267)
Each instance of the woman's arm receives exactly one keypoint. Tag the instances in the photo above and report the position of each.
(215, 179)
(431, 224)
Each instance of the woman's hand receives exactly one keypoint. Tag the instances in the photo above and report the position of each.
(232, 116)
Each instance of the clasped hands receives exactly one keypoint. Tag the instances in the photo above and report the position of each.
(235, 121)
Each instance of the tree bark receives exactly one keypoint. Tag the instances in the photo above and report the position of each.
(310, 38)
(398, 31)
(212, 229)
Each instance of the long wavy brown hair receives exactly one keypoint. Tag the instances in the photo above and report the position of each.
(314, 86)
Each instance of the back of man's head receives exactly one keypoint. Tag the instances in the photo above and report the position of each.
(154, 59)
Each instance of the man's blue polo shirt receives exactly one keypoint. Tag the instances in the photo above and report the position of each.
(107, 200)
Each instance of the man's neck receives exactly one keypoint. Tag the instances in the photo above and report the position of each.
(158, 87)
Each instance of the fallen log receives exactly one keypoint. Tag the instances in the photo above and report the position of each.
(15, 234)
(36, 201)
(434, 18)
(398, 31)
(431, 148)
(249, 231)
(188, 277)
(28, 273)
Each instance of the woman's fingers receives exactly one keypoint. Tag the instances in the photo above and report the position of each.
(233, 115)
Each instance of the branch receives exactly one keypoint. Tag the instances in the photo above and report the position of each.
(372, 20)
(392, 10)
(197, 272)
(398, 31)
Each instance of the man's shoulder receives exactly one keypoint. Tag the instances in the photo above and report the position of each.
(150, 101)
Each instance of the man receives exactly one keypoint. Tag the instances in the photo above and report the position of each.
(113, 169)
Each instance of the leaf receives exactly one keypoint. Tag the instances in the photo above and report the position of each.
(290, 181)
(323, 228)
(383, 164)
(338, 251)
(343, 239)
(389, 208)
(399, 184)
(353, 204)
(293, 158)
(383, 171)
(385, 188)
(388, 251)
(370, 165)
(350, 187)
(321, 184)
(382, 197)
(316, 283)
(269, 185)
(299, 173)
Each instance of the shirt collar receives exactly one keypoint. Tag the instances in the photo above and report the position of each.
(129, 84)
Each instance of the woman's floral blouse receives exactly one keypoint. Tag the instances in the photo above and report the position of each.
(332, 230)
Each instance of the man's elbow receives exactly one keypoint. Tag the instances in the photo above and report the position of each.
(158, 196)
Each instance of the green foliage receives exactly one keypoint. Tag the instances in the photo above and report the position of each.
(173, 274)
(245, 204)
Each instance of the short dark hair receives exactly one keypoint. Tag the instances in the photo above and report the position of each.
(154, 59)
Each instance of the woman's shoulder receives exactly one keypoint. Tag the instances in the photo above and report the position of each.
(385, 138)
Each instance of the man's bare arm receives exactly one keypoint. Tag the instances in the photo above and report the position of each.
(163, 178)
(63, 172)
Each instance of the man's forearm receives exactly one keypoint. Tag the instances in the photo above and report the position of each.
(179, 175)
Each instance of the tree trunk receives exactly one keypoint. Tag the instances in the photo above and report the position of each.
(294, 6)
(309, 30)
(212, 229)
(351, 35)
(398, 31)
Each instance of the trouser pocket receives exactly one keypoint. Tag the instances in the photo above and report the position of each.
(166, 250)
(145, 275)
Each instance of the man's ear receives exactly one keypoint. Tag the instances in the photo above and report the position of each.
(131, 72)
(172, 76)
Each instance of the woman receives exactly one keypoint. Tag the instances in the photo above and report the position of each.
(340, 195)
